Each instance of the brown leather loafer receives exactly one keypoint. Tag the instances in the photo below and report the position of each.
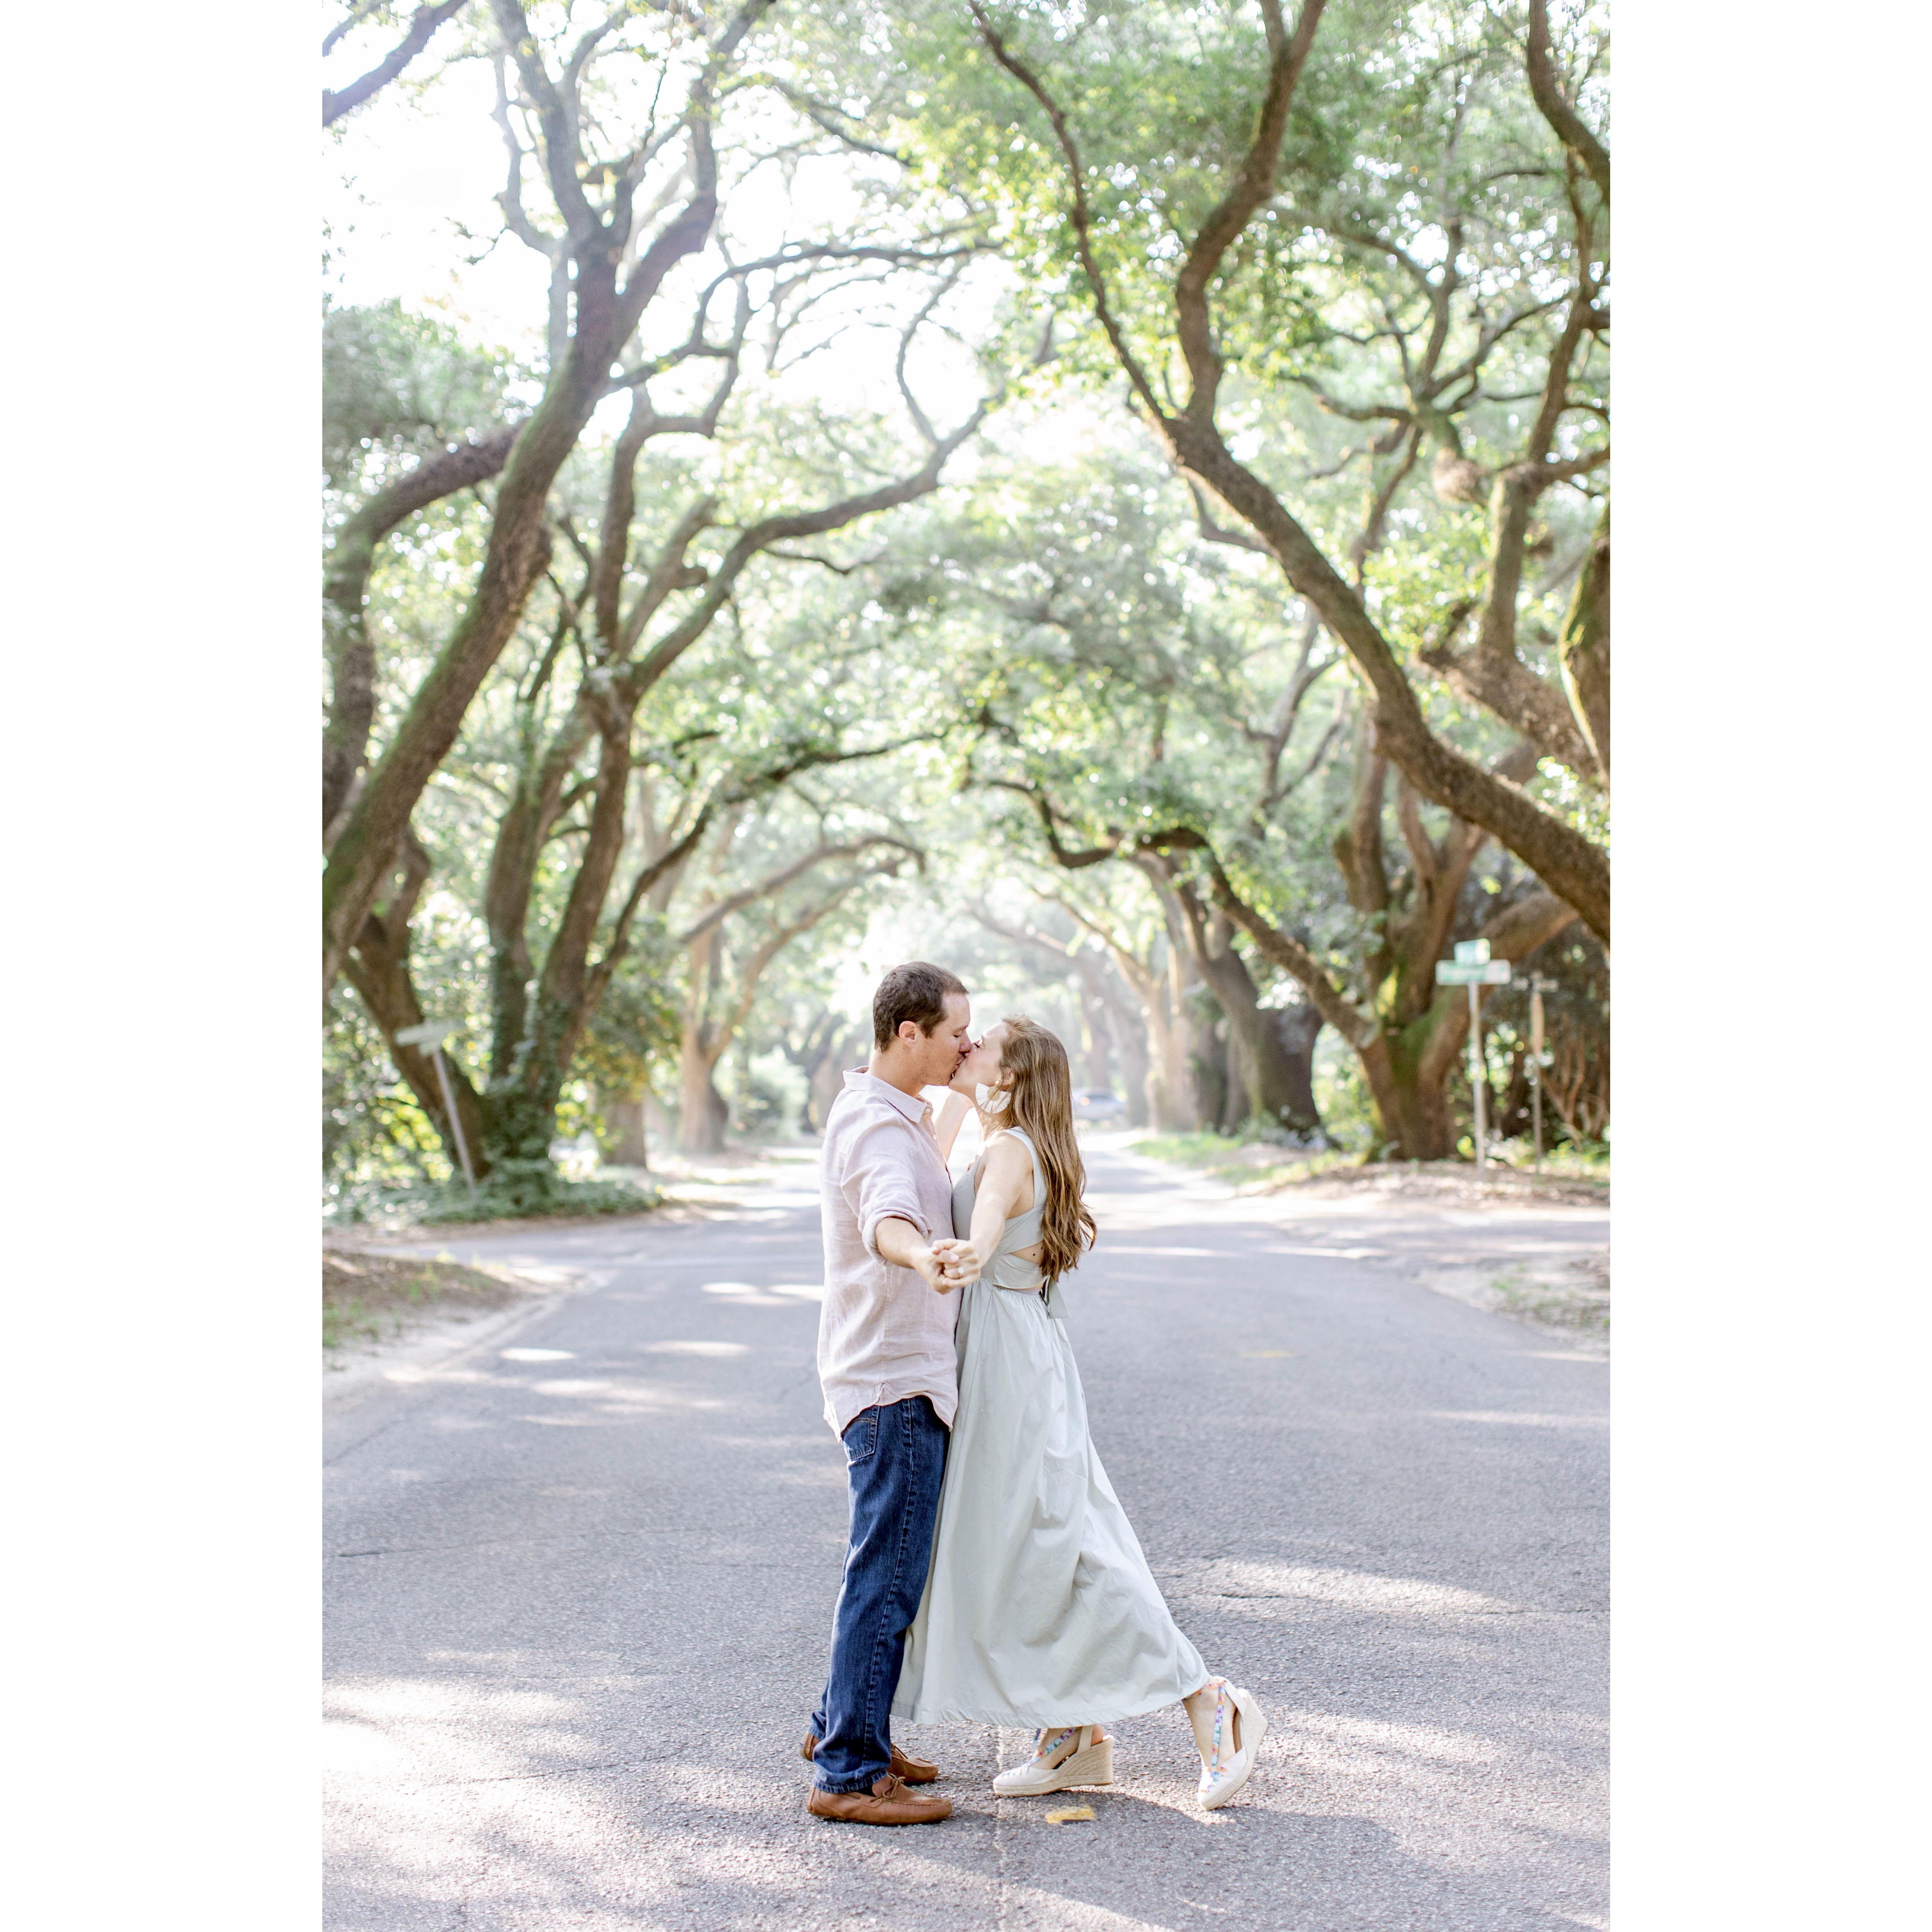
(888, 1802)
(906, 1770)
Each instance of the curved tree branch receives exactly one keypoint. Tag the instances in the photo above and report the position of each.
(345, 585)
(1547, 86)
(422, 24)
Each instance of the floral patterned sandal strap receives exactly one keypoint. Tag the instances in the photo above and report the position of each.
(1221, 1688)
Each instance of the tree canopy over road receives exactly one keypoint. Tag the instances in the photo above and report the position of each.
(1118, 500)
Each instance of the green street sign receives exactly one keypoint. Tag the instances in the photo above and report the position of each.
(1472, 952)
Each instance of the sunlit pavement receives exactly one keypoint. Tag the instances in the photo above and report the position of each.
(580, 1581)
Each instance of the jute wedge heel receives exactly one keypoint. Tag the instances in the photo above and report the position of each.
(1061, 1760)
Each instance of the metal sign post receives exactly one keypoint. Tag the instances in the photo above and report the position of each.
(1539, 983)
(1473, 967)
(432, 1034)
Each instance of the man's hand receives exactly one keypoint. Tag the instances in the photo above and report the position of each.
(942, 1265)
(932, 1269)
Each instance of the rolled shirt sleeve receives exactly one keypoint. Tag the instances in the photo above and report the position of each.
(882, 1185)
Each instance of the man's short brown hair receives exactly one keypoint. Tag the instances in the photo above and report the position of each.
(916, 992)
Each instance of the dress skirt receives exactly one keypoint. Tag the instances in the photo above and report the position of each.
(1039, 1608)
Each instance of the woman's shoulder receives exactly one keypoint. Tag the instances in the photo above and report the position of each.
(1014, 1143)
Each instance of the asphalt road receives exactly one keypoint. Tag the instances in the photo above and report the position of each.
(580, 1580)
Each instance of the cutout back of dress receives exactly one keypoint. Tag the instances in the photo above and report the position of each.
(1008, 1268)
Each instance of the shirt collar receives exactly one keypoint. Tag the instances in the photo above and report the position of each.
(915, 1109)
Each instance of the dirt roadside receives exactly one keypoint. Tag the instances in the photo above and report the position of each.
(1533, 1247)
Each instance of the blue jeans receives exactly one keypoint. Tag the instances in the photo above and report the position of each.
(895, 1459)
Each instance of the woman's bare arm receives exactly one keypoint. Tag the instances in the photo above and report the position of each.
(951, 1117)
(1005, 1189)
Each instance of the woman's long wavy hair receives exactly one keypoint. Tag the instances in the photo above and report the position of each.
(1034, 1072)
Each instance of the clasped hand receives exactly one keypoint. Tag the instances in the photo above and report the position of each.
(955, 1264)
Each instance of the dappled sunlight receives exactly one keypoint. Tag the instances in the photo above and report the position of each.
(1331, 1254)
(1409, 1740)
(434, 1780)
(1346, 1589)
(1522, 1419)
(437, 1731)
(1172, 1254)
(751, 1294)
(1441, 1791)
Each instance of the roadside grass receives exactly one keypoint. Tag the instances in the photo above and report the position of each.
(1579, 1298)
(368, 1298)
(445, 1204)
(1262, 1166)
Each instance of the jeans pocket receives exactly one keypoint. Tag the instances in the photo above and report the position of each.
(861, 1438)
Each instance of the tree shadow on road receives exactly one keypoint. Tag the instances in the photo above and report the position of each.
(1155, 1863)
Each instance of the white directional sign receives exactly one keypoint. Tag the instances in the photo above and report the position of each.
(1472, 952)
(431, 1032)
(1472, 972)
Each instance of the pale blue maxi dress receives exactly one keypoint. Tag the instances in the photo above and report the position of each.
(1039, 1608)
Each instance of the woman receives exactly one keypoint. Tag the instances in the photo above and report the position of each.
(1039, 1609)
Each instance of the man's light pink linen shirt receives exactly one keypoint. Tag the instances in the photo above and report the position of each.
(883, 1334)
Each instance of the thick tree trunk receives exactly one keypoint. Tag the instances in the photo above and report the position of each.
(1410, 1089)
(828, 1078)
(1296, 1028)
(382, 981)
(1210, 1080)
(703, 1115)
(1171, 1085)
(517, 554)
(1279, 1091)
(1584, 649)
(624, 1118)
(1100, 1073)
(1129, 1032)
(345, 591)
(1264, 1084)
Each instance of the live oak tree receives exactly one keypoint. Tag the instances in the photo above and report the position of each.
(1194, 172)
(734, 932)
(1086, 674)
(1142, 706)
(561, 746)
(1129, 1014)
(629, 587)
(615, 127)
(615, 266)
(625, 625)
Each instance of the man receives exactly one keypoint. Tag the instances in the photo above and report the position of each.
(886, 1363)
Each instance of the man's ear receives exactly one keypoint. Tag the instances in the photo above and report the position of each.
(909, 1029)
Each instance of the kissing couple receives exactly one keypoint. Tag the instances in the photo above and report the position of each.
(991, 1576)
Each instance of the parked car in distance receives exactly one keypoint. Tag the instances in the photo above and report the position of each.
(1097, 1105)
